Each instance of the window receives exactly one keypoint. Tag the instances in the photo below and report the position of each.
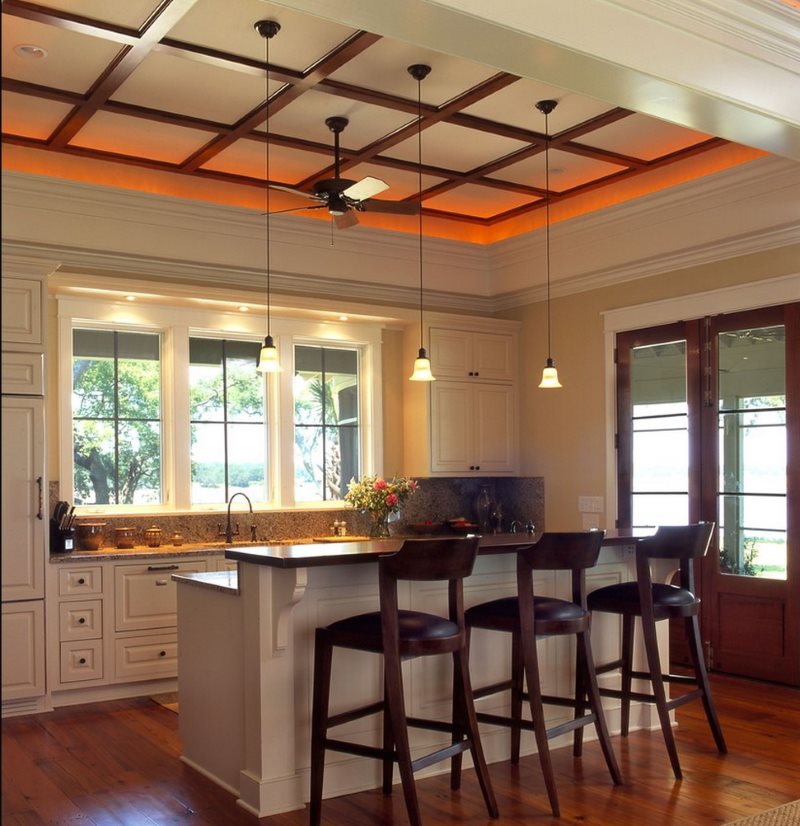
(116, 418)
(326, 421)
(162, 409)
(228, 438)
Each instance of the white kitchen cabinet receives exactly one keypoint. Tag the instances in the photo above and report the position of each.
(23, 650)
(23, 503)
(466, 422)
(472, 427)
(462, 354)
(22, 325)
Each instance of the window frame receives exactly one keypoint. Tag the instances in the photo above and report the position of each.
(176, 324)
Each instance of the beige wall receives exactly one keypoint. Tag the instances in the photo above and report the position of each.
(562, 432)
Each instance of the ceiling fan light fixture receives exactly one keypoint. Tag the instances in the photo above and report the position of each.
(422, 364)
(549, 373)
(268, 359)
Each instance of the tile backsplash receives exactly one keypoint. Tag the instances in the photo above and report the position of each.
(436, 501)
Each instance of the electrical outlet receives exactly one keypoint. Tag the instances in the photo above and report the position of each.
(590, 504)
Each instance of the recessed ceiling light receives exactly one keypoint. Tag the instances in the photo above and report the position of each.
(244, 309)
(130, 298)
(344, 318)
(28, 50)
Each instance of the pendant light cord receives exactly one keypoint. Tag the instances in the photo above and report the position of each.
(547, 221)
(266, 157)
(419, 199)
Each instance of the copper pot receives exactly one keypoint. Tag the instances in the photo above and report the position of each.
(152, 536)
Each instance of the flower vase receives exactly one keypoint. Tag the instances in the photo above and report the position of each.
(378, 525)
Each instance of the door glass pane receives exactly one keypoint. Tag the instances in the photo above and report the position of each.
(752, 452)
(660, 447)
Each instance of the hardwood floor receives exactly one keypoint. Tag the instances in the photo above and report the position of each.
(117, 763)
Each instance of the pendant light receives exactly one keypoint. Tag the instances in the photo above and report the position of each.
(268, 361)
(549, 373)
(422, 364)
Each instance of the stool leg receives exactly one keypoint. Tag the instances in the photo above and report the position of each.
(627, 667)
(586, 665)
(531, 660)
(468, 723)
(580, 701)
(323, 653)
(696, 651)
(457, 760)
(659, 692)
(517, 676)
(397, 714)
(388, 745)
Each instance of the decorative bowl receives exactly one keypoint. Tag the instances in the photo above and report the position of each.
(125, 537)
(462, 525)
(90, 535)
(426, 528)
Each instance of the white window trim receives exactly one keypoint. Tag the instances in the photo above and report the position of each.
(176, 325)
(766, 293)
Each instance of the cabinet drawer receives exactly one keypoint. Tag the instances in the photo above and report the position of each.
(80, 620)
(23, 374)
(73, 582)
(146, 595)
(141, 658)
(81, 661)
(22, 311)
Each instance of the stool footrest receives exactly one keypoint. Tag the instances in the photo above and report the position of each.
(355, 714)
(359, 749)
(488, 690)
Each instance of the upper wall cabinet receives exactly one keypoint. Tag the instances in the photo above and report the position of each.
(462, 354)
(22, 313)
(466, 422)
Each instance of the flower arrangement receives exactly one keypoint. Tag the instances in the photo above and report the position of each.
(377, 495)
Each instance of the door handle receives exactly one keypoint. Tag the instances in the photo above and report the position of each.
(39, 482)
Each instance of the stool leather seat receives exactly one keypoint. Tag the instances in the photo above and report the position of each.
(414, 629)
(653, 601)
(506, 610)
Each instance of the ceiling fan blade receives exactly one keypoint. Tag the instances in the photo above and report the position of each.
(393, 207)
(295, 209)
(365, 188)
(348, 219)
(294, 191)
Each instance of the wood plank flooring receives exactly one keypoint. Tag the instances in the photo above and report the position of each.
(117, 763)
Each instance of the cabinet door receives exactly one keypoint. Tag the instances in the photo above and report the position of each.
(22, 311)
(495, 428)
(452, 427)
(451, 353)
(23, 499)
(23, 650)
(146, 595)
(493, 356)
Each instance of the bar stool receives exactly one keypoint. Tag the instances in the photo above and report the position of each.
(526, 617)
(399, 635)
(654, 601)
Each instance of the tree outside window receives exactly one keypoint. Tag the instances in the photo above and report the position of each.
(326, 421)
(116, 414)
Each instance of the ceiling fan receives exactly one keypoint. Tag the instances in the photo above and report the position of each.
(343, 197)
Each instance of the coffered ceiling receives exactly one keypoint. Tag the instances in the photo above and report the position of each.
(170, 96)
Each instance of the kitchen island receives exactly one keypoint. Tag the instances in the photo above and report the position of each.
(245, 660)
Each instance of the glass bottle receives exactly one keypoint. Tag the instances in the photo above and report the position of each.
(483, 507)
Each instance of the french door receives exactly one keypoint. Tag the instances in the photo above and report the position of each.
(708, 417)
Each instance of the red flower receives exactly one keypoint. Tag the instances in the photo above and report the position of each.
(380, 484)
(391, 500)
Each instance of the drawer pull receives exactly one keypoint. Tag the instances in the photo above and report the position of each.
(82, 661)
(163, 567)
(162, 653)
(81, 620)
(162, 582)
(81, 581)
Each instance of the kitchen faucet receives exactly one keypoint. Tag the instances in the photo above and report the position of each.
(228, 533)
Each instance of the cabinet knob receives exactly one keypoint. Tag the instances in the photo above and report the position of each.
(82, 661)
(81, 581)
(162, 653)
(81, 620)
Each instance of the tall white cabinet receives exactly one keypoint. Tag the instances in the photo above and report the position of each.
(23, 546)
(465, 423)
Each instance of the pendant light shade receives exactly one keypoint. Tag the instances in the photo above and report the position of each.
(268, 360)
(549, 373)
(422, 364)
